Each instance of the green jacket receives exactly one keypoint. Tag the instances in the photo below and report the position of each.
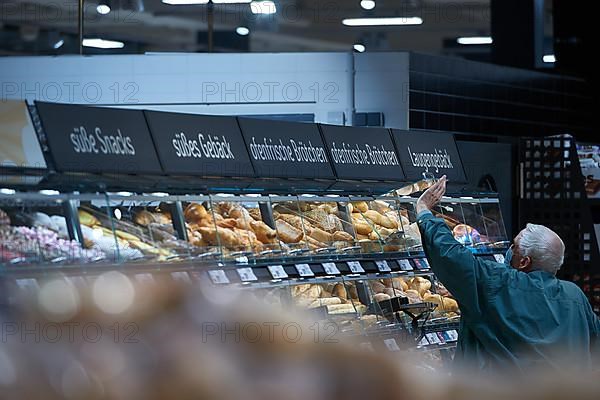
(510, 319)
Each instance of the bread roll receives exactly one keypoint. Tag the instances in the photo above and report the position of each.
(144, 218)
(293, 220)
(324, 301)
(125, 236)
(299, 289)
(319, 234)
(399, 283)
(380, 206)
(340, 309)
(419, 284)
(377, 287)
(256, 214)
(361, 206)
(450, 304)
(195, 212)
(341, 236)
(381, 297)
(87, 219)
(264, 232)
(361, 226)
(393, 292)
(380, 219)
(413, 296)
(339, 290)
(287, 233)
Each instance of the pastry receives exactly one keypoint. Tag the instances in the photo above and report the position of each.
(380, 206)
(380, 219)
(339, 291)
(319, 234)
(144, 218)
(255, 214)
(377, 287)
(264, 232)
(314, 243)
(195, 212)
(293, 220)
(381, 297)
(393, 292)
(87, 219)
(341, 236)
(361, 226)
(421, 285)
(360, 206)
(413, 296)
(324, 301)
(299, 289)
(287, 233)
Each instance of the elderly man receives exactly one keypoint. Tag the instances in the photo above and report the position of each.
(514, 315)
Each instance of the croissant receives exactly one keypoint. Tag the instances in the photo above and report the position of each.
(195, 212)
(288, 233)
(263, 232)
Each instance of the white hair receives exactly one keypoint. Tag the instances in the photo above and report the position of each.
(543, 246)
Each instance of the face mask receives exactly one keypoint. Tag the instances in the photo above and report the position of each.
(508, 257)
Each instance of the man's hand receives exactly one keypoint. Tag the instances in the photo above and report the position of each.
(432, 196)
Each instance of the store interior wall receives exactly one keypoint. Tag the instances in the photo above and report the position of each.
(230, 84)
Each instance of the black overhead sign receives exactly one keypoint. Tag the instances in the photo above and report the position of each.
(95, 139)
(281, 149)
(203, 145)
(429, 152)
(362, 153)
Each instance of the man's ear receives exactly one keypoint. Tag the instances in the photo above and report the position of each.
(525, 263)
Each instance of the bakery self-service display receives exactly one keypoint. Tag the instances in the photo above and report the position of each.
(355, 262)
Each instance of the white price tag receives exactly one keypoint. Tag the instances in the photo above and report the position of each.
(391, 344)
(453, 335)
(499, 258)
(355, 267)
(246, 274)
(218, 277)
(404, 265)
(145, 278)
(383, 266)
(28, 284)
(423, 342)
(304, 270)
(277, 271)
(181, 276)
(433, 338)
(331, 269)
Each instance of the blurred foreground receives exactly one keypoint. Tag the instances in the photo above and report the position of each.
(119, 339)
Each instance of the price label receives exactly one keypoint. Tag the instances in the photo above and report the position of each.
(277, 271)
(391, 344)
(499, 258)
(331, 269)
(181, 276)
(355, 267)
(424, 263)
(218, 277)
(383, 266)
(28, 284)
(304, 270)
(423, 342)
(452, 335)
(404, 265)
(145, 278)
(246, 274)
(440, 336)
(433, 338)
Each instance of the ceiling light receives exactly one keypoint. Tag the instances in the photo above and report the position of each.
(360, 47)
(103, 44)
(242, 31)
(385, 21)
(103, 8)
(367, 4)
(58, 44)
(263, 7)
(549, 58)
(184, 2)
(475, 40)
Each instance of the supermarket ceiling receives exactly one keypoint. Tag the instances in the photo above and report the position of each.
(51, 26)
